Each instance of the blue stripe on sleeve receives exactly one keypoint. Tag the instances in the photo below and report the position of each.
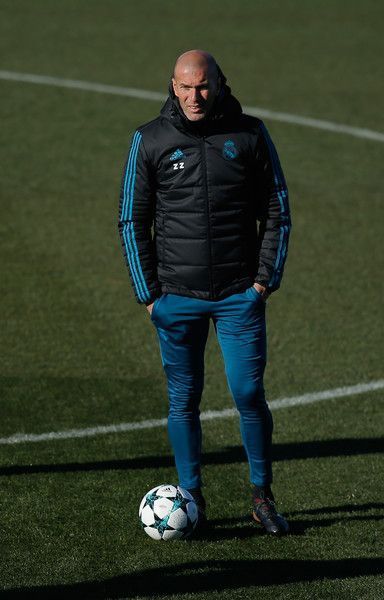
(130, 252)
(134, 148)
(128, 229)
(282, 194)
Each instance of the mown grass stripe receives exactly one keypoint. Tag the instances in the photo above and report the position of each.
(341, 392)
(359, 132)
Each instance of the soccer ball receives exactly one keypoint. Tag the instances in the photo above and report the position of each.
(168, 512)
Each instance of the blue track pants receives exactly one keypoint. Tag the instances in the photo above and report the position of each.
(182, 325)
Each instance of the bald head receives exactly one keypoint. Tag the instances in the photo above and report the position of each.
(193, 60)
(196, 83)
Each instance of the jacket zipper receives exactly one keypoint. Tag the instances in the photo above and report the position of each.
(204, 169)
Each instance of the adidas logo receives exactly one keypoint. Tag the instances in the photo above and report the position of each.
(177, 155)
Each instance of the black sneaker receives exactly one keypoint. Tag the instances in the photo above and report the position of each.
(201, 506)
(264, 512)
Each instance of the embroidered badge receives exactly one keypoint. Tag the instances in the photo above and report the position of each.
(229, 150)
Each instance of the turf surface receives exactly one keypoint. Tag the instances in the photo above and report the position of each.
(77, 350)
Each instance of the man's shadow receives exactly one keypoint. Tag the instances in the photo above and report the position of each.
(206, 576)
(228, 455)
(242, 526)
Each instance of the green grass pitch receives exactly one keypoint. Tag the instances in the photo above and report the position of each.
(77, 351)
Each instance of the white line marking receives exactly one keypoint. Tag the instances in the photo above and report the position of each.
(101, 88)
(342, 392)
(358, 132)
(87, 86)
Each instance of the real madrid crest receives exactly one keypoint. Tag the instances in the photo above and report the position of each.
(229, 150)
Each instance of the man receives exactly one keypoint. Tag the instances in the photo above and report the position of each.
(208, 180)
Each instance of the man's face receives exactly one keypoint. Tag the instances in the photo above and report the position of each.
(196, 89)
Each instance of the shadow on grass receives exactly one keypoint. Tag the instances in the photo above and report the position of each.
(232, 454)
(242, 527)
(345, 512)
(207, 576)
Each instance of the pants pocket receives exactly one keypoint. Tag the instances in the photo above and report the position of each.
(155, 306)
(256, 294)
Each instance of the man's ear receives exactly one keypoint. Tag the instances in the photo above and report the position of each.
(174, 86)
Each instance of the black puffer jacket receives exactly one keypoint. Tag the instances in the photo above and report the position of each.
(203, 205)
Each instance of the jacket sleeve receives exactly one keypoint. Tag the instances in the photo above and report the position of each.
(136, 211)
(273, 214)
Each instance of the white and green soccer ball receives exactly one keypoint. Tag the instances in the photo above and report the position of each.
(168, 512)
